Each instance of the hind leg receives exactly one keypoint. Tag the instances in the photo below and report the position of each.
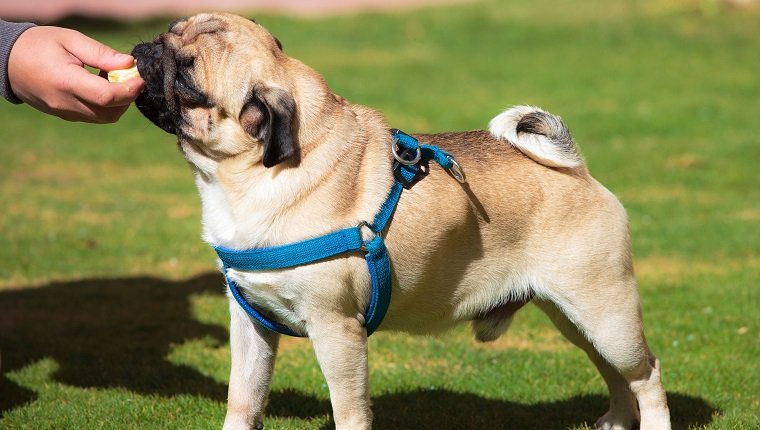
(606, 324)
(623, 413)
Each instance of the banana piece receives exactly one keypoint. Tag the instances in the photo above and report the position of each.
(123, 75)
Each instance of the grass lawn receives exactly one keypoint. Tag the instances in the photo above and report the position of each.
(112, 315)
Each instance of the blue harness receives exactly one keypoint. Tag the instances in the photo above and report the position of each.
(408, 154)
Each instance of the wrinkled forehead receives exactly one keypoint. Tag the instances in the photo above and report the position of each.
(188, 29)
(185, 31)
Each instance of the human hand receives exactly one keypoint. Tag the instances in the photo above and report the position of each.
(46, 70)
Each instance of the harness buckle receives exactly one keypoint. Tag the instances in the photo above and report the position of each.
(398, 174)
(405, 158)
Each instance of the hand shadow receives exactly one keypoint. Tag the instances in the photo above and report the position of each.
(107, 333)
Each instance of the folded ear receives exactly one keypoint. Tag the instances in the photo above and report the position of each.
(268, 116)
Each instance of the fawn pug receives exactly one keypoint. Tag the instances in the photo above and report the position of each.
(278, 158)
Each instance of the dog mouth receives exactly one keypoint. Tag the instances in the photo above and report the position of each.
(169, 83)
(158, 68)
(164, 85)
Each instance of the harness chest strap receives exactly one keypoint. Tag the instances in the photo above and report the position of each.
(281, 257)
(408, 153)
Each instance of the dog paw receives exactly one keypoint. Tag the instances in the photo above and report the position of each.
(233, 423)
(610, 421)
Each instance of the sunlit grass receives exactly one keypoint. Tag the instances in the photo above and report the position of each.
(111, 315)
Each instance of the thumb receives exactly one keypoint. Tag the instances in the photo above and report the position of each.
(95, 54)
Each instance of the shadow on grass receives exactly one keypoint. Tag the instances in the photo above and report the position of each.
(111, 333)
(106, 333)
(442, 409)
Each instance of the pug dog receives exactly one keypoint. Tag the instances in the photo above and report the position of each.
(278, 158)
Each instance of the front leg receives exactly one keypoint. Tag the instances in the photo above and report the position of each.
(340, 344)
(253, 351)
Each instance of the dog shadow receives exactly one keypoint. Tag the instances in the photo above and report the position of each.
(425, 409)
(440, 409)
(117, 333)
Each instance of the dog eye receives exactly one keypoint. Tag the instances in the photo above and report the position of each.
(185, 62)
(187, 92)
(175, 22)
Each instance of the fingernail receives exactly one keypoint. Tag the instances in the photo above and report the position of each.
(123, 57)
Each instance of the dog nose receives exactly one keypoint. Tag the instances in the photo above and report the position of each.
(148, 52)
(148, 56)
(152, 100)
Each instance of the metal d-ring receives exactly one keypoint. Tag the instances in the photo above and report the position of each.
(369, 227)
(399, 158)
(456, 170)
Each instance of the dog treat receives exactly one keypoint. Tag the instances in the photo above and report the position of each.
(123, 75)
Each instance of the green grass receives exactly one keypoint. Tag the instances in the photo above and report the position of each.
(111, 315)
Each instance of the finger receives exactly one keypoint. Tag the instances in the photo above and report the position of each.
(97, 114)
(95, 54)
(106, 115)
(96, 91)
(78, 111)
(133, 86)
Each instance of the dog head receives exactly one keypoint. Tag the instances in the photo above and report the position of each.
(223, 85)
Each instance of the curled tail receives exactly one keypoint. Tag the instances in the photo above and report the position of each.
(538, 134)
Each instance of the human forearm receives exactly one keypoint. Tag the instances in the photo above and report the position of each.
(9, 33)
